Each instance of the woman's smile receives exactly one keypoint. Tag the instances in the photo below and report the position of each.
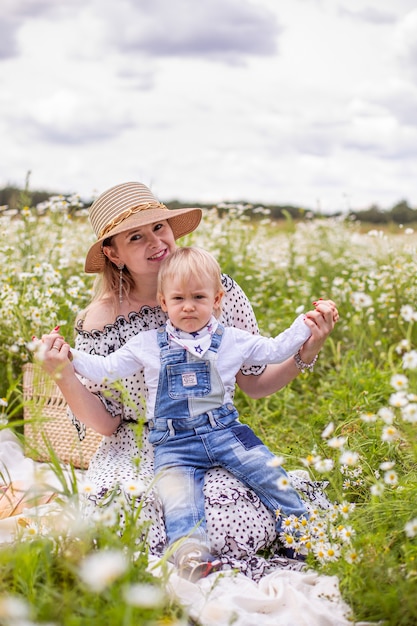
(158, 256)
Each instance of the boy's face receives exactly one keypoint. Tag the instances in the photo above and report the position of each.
(190, 306)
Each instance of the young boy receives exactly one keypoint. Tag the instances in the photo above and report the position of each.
(190, 368)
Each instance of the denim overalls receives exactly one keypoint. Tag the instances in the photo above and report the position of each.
(193, 431)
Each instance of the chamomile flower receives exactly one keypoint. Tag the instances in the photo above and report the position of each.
(409, 413)
(399, 382)
(333, 514)
(143, 595)
(286, 523)
(99, 570)
(325, 551)
(402, 346)
(377, 489)
(319, 551)
(288, 540)
(398, 399)
(283, 483)
(368, 417)
(349, 458)
(134, 488)
(389, 434)
(324, 465)
(386, 415)
(345, 508)
(328, 430)
(336, 442)
(31, 530)
(352, 556)
(407, 313)
(387, 465)
(410, 360)
(86, 488)
(14, 609)
(410, 528)
(305, 544)
(277, 461)
(310, 459)
(105, 516)
(391, 478)
(360, 300)
(318, 532)
(332, 551)
(345, 533)
(295, 521)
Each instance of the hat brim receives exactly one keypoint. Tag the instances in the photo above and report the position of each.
(182, 222)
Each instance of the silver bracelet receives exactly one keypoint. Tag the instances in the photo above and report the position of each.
(302, 365)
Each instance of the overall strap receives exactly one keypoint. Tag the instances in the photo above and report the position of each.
(216, 338)
(162, 337)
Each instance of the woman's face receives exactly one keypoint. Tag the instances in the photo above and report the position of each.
(142, 249)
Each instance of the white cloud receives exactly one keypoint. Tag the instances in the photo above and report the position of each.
(405, 41)
(369, 14)
(74, 118)
(14, 14)
(217, 29)
(298, 101)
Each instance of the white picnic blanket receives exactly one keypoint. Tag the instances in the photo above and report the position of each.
(287, 598)
(284, 598)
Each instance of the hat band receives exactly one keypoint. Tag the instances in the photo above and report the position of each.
(123, 216)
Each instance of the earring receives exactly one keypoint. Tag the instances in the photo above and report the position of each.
(120, 268)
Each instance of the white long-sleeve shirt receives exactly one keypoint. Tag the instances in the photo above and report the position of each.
(237, 348)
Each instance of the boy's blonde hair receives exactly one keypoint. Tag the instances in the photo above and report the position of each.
(190, 262)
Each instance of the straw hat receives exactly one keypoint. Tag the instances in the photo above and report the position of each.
(127, 206)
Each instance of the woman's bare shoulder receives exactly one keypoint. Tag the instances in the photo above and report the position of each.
(98, 314)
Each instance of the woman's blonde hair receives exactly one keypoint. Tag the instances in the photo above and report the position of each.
(190, 262)
(107, 284)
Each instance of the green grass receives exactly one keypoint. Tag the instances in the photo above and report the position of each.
(283, 268)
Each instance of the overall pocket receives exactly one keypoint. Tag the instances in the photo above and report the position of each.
(188, 380)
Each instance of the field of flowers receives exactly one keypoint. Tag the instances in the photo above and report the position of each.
(351, 423)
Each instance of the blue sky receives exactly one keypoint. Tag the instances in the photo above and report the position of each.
(306, 102)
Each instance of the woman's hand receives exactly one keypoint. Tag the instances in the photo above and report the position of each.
(321, 322)
(53, 354)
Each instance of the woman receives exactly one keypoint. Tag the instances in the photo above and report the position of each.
(134, 234)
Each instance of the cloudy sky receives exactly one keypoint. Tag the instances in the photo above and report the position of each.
(307, 102)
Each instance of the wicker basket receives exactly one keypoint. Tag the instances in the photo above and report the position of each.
(47, 425)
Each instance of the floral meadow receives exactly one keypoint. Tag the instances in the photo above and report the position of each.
(351, 423)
